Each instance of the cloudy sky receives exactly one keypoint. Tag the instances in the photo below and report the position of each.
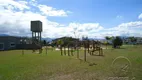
(92, 18)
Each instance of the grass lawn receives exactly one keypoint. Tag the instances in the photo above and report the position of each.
(33, 66)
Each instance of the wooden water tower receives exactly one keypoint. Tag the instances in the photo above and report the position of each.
(36, 28)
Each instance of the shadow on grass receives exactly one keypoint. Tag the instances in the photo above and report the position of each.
(119, 48)
(97, 55)
(89, 63)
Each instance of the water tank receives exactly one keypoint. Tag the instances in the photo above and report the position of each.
(36, 26)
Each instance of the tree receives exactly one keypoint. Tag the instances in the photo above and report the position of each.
(133, 39)
(117, 42)
(60, 43)
(107, 38)
(44, 42)
(64, 44)
(84, 38)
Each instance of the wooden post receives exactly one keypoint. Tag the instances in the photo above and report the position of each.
(61, 51)
(85, 54)
(93, 48)
(46, 49)
(77, 52)
(23, 47)
(88, 45)
(68, 51)
(106, 45)
(22, 51)
(71, 51)
(84, 51)
(64, 50)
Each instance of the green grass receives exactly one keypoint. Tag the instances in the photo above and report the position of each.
(53, 66)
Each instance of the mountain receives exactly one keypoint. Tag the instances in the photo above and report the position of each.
(96, 39)
(4, 35)
(48, 39)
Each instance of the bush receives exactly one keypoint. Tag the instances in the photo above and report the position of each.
(117, 42)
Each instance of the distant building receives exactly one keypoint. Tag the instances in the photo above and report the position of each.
(8, 42)
(11, 42)
(128, 40)
(139, 40)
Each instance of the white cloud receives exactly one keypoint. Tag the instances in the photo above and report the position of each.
(17, 22)
(135, 24)
(50, 11)
(85, 29)
(94, 30)
(125, 29)
(140, 16)
(11, 4)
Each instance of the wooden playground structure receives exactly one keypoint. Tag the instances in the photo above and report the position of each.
(91, 47)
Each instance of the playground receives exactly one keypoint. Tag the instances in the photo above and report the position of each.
(52, 66)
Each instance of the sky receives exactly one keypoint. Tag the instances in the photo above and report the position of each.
(73, 18)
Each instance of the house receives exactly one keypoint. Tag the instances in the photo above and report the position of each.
(8, 42)
(139, 40)
(129, 41)
(11, 42)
